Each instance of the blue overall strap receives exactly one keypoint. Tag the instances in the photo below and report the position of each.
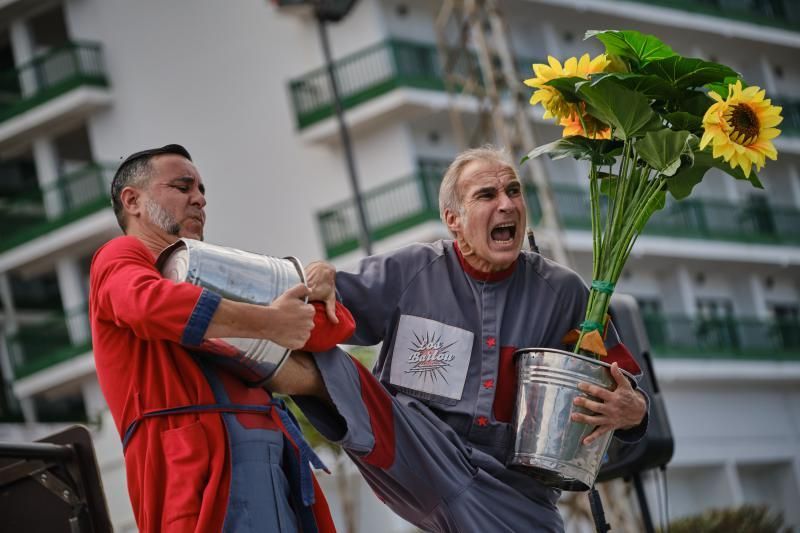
(184, 409)
(306, 453)
(291, 466)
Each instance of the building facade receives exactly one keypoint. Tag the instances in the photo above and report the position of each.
(243, 86)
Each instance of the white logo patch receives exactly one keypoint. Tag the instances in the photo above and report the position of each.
(431, 357)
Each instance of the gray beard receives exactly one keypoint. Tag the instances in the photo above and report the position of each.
(161, 218)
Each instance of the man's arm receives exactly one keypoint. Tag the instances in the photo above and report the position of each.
(287, 321)
(129, 291)
(299, 376)
(371, 293)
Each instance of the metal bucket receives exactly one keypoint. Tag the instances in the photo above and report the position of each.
(548, 445)
(240, 276)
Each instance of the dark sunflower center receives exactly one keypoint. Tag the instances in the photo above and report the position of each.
(744, 121)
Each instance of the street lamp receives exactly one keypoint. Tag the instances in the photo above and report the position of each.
(326, 11)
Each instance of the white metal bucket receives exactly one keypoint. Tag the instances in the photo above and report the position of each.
(548, 445)
(240, 276)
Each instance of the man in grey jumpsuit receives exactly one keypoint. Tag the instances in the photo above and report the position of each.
(429, 427)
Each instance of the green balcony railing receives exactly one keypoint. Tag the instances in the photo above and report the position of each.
(408, 201)
(72, 197)
(383, 67)
(390, 208)
(673, 336)
(777, 13)
(693, 218)
(50, 75)
(57, 338)
(375, 71)
(365, 75)
(791, 116)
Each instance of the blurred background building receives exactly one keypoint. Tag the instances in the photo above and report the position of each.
(243, 86)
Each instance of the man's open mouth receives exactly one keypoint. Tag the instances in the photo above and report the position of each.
(504, 233)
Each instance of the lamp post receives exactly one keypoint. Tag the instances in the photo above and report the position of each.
(326, 11)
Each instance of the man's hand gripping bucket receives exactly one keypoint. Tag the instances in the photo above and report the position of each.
(548, 445)
(241, 276)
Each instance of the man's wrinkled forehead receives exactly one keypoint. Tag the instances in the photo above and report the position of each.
(486, 173)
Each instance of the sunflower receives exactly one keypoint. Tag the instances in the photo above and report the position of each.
(554, 104)
(574, 125)
(741, 127)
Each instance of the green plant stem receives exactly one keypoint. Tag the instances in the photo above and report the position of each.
(633, 195)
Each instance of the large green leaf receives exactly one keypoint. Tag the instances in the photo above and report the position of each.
(637, 46)
(694, 102)
(681, 184)
(722, 87)
(627, 111)
(683, 72)
(738, 173)
(662, 149)
(566, 86)
(650, 86)
(681, 120)
(600, 152)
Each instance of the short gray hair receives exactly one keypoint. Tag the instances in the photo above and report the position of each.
(136, 171)
(135, 174)
(449, 193)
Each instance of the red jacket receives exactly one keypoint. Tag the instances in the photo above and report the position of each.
(178, 467)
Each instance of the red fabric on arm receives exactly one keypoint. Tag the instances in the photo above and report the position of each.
(325, 335)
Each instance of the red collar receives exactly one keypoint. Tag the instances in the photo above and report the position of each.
(476, 274)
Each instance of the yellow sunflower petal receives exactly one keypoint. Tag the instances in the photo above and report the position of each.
(583, 64)
(571, 66)
(745, 167)
(707, 137)
(599, 63)
(769, 133)
(727, 151)
(770, 121)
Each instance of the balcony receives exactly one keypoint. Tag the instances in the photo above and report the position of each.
(691, 218)
(390, 209)
(72, 197)
(59, 337)
(791, 116)
(365, 75)
(406, 202)
(373, 72)
(673, 336)
(64, 84)
(381, 68)
(777, 13)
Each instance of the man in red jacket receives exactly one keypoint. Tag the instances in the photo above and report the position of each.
(203, 452)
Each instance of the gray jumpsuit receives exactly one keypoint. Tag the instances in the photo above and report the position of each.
(429, 428)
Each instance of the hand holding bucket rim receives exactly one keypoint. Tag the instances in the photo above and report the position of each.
(242, 277)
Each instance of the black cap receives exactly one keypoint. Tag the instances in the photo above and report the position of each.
(176, 149)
